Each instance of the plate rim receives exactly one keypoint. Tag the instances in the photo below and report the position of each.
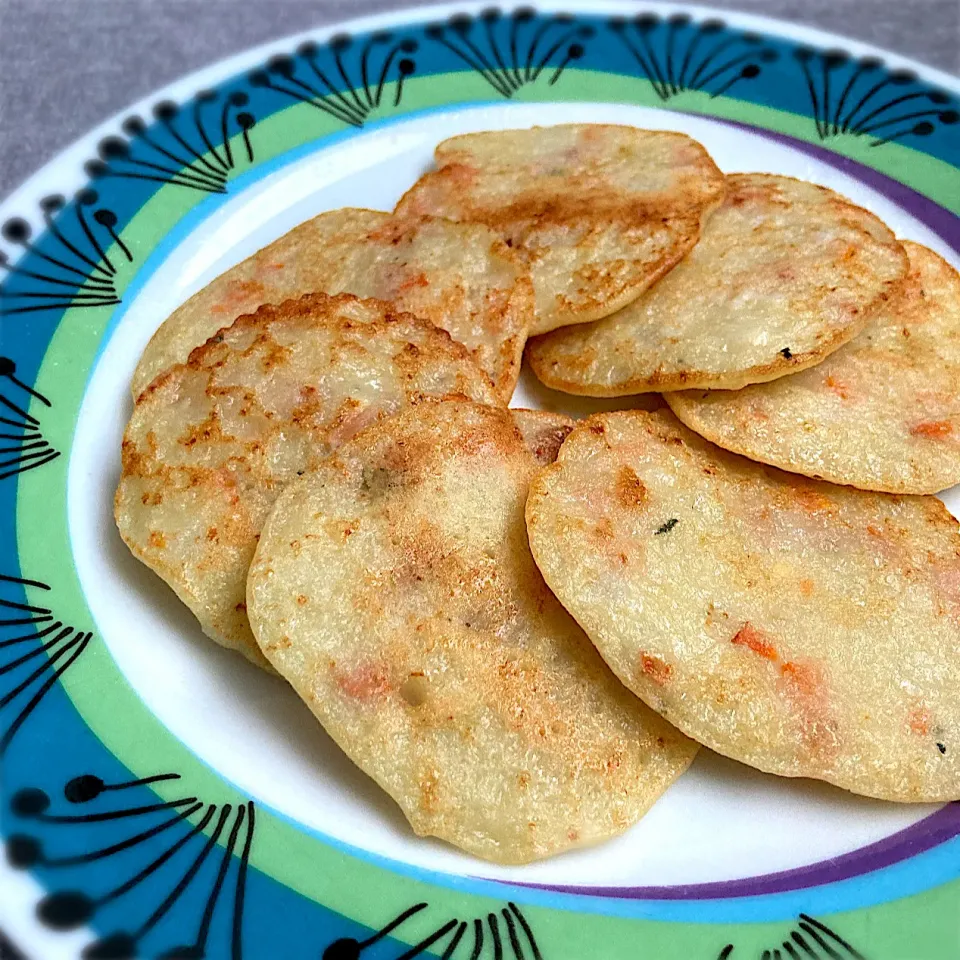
(29, 190)
(230, 66)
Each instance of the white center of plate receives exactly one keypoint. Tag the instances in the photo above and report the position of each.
(721, 821)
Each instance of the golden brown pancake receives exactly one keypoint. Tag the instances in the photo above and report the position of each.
(785, 273)
(212, 442)
(807, 629)
(394, 589)
(597, 211)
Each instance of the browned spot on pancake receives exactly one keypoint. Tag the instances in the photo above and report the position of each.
(629, 488)
(811, 500)
(604, 529)
(208, 431)
(274, 355)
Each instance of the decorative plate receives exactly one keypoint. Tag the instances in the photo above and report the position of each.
(160, 797)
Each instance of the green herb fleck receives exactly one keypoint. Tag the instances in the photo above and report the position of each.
(667, 527)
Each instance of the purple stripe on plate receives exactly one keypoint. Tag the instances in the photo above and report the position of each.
(930, 832)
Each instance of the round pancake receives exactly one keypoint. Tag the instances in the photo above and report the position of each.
(806, 629)
(543, 432)
(395, 590)
(460, 277)
(212, 442)
(598, 211)
(785, 273)
(882, 413)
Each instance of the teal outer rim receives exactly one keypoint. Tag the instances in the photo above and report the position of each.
(936, 865)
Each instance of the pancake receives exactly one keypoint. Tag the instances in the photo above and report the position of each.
(543, 432)
(882, 413)
(807, 629)
(213, 441)
(598, 211)
(394, 589)
(786, 272)
(460, 277)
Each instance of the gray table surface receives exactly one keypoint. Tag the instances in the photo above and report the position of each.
(66, 65)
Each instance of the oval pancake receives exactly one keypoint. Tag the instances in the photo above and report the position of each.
(806, 629)
(785, 273)
(598, 211)
(395, 590)
(212, 442)
(882, 413)
(460, 277)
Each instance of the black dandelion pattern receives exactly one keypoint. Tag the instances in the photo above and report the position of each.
(22, 444)
(37, 648)
(189, 145)
(506, 935)
(342, 79)
(810, 939)
(187, 850)
(677, 54)
(70, 268)
(860, 97)
(512, 51)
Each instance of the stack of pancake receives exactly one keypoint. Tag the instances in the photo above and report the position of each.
(522, 627)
